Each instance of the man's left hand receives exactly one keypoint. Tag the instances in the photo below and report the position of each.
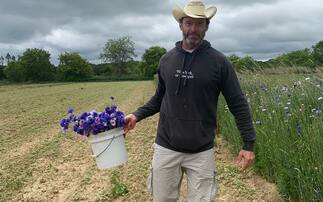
(245, 159)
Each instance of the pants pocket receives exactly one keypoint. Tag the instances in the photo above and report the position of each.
(214, 191)
(149, 182)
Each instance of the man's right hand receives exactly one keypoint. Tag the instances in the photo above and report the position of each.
(131, 121)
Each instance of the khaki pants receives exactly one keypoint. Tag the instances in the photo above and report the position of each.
(167, 171)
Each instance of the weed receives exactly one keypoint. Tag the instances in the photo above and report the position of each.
(119, 188)
(15, 184)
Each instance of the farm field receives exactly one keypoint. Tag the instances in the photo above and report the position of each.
(39, 163)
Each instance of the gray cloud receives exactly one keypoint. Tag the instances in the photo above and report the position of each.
(262, 29)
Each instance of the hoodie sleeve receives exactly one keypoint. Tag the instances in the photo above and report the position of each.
(153, 105)
(238, 105)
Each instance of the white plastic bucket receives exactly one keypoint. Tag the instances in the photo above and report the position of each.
(109, 148)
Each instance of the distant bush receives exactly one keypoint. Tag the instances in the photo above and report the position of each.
(72, 67)
(32, 66)
(15, 72)
(2, 74)
(36, 65)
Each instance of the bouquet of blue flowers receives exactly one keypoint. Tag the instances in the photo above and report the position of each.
(92, 123)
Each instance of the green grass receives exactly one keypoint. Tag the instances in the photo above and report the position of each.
(289, 131)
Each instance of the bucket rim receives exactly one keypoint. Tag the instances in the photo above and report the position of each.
(106, 135)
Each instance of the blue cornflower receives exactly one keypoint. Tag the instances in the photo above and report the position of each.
(72, 117)
(70, 110)
(84, 115)
(264, 87)
(64, 124)
(276, 98)
(112, 97)
(76, 128)
(286, 109)
(113, 108)
(119, 114)
(317, 191)
(90, 120)
(104, 117)
(298, 129)
(110, 109)
(107, 110)
(86, 128)
(94, 113)
(317, 112)
(97, 128)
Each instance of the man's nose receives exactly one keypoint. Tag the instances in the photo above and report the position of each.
(194, 28)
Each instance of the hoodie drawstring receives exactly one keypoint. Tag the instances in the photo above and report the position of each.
(188, 69)
(180, 75)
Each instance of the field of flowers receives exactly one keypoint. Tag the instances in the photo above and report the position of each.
(288, 118)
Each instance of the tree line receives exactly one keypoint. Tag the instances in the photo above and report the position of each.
(118, 63)
(118, 56)
(310, 58)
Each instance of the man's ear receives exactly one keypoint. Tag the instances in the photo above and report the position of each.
(207, 27)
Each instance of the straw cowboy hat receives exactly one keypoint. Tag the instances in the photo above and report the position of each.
(194, 9)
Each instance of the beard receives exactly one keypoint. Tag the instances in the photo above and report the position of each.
(193, 40)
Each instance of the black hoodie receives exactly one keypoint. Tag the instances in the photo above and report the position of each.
(187, 94)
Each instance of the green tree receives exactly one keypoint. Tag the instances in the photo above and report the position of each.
(119, 51)
(297, 58)
(101, 69)
(234, 60)
(246, 63)
(37, 65)
(2, 74)
(151, 59)
(15, 72)
(1, 60)
(318, 53)
(72, 67)
(8, 57)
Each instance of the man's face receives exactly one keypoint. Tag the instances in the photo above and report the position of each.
(193, 31)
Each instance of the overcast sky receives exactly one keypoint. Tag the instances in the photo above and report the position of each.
(261, 29)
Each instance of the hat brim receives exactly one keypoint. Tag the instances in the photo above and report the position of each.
(179, 13)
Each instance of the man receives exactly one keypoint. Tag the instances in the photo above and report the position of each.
(190, 79)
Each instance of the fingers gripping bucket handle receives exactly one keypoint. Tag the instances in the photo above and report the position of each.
(109, 148)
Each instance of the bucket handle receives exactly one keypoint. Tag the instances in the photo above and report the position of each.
(97, 155)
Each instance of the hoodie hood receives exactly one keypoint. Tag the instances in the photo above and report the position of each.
(204, 45)
(188, 59)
